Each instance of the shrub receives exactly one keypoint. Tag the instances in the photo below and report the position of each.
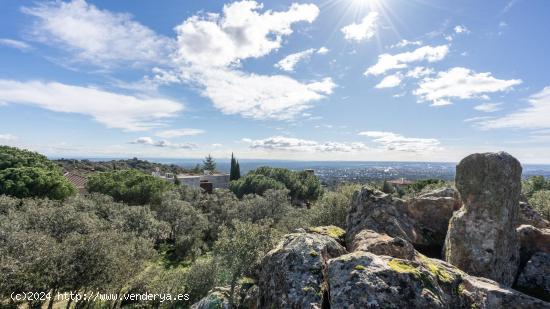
(11, 157)
(534, 184)
(302, 186)
(332, 208)
(540, 201)
(35, 182)
(129, 186)
(254, 184)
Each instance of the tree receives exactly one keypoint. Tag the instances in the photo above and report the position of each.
(540, 201)
(331, 208)
(533, 184)
(235, 171)
(200, 278)
(188, 226)
(35, 182)
(129, 186)
(240, 248)
(208, 164)
(273, 205)
(303, 186)
(254, 184)
(11, 157)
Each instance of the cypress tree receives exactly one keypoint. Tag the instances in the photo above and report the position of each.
(234, 171)
(237, 170)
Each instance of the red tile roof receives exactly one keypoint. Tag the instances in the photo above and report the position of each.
(77, 180)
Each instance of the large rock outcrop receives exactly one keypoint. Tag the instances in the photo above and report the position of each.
(422, 220)
(532, 240)
(382, 244)
(535, 277)
(432, 211)
(293, 274)
(374, 210)
(481, 239)
(365, 280)
(217, 298)
(528, 216)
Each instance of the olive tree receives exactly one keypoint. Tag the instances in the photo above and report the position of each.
(240, 248)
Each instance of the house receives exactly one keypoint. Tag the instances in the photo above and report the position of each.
(78, 181)
(401, 182)
(218, 180)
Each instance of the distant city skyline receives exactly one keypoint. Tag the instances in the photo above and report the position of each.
(357, 80)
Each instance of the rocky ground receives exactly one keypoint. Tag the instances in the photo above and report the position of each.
(474, 247)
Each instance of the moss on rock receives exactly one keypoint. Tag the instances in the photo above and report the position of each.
(331, 231)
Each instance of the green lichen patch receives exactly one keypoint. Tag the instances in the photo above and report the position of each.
(442, 274)
(359, 267)
(313, 253)
(330, 231)
(403, 266)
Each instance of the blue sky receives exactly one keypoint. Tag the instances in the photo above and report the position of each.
(307, 80)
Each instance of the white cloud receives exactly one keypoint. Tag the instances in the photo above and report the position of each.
(15, 44)
(179, 133)
(210, 50)
(388, 62)
(535, 116)
(260, 96)
(242, 32)
(7, 137)
(390, 81)
(362, 31)
(418, 72)
(460, 83)
(281, 143)
(97, 36)
(396, 142)
(477, 119)
(162, 143)
(114, 110)
(461, 29)
(323, 50)
(405, 43)
(488, 107)
(289, 62)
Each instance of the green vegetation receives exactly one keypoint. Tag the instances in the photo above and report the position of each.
(428, 184)
(331, 209)
(11, 157)
(302, 186)
(239, 250)
(129, 186)
(533, 184)
(208, 164)
(255, 184)
(331, 231)
(235, 171)
(34, 181)
(87, 166)
(540, 201)
(28, 174)
(537, 191)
